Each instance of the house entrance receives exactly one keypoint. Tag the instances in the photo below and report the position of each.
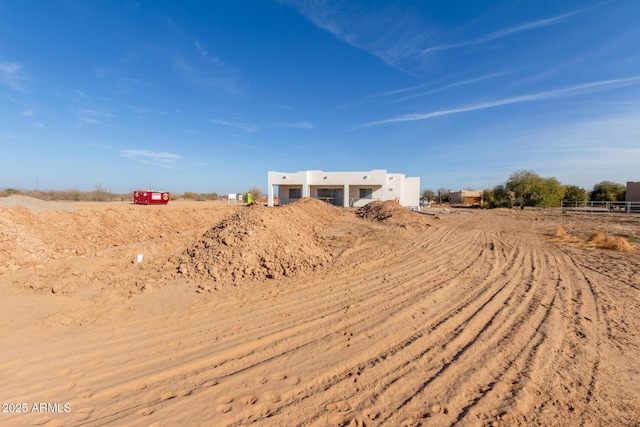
(334, 196)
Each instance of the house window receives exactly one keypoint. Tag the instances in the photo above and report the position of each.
(325, 193)
(366, 193)
(295, 193)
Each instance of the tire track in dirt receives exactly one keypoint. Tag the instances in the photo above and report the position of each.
(402, 345)
(403, 302)
(456, 334)
(445, 325)
(536, 326)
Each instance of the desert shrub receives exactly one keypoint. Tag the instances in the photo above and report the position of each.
(597, 238)
(200, 197)
(71, 194)
(9, 191)
(560, 232)
(600, 240)
(101, 194)
(618, 244)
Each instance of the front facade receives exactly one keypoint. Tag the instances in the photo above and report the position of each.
(346, 189)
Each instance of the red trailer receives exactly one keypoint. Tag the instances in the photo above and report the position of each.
(148, 197)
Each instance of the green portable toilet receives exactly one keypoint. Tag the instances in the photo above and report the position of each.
(249, 197)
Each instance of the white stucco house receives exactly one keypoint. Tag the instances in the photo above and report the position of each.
(346, 189)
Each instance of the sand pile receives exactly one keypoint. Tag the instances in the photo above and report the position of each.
(388, 212)
(31, 236)
(258, 243)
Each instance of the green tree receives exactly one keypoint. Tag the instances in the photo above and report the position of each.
(443, 195)
(428, 194)
(608, 191)
(575, 194)
(530, 189)
(498, 197)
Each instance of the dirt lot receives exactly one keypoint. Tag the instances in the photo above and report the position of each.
(312, 316)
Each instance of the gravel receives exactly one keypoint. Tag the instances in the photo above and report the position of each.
(34, 204)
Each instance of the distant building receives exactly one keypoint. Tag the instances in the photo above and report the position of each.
(466, 197)
(633, 192)
(346, 189)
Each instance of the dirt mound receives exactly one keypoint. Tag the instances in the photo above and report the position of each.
(258, 243)
(31, 237)
(388, 212)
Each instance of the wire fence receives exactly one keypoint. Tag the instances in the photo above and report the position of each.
(604, 207)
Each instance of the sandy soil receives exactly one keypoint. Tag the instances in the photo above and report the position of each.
(314, 316)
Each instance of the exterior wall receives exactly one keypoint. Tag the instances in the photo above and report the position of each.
(283, 193)
(466, 197)
(410, 193)
(354, 195)
(385, 186)
(455, 197)
(633, 192)
(394, 187)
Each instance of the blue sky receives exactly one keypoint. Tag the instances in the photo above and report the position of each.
(210, 95)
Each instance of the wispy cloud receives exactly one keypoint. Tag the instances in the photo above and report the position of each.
(208, 70)
(162, 159)
(97, 145)
(449, 86)
(12, 74)
(395, 35)
(298, 125)
(204, 53)
(527, 26)
(558, 93)
(195, 75)
(27, 113)
(373, 96)
(94, 117)
(245, 127)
